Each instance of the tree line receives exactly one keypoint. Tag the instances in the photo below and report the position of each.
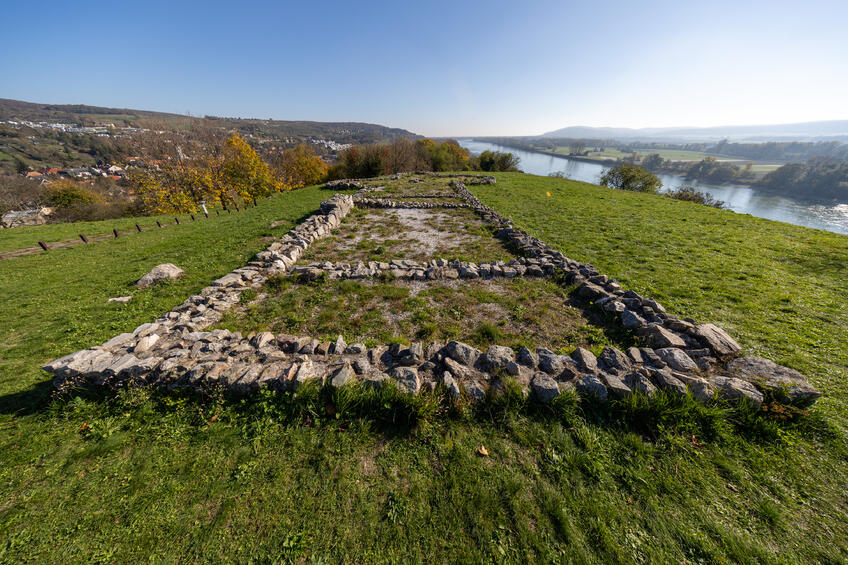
(405, 155)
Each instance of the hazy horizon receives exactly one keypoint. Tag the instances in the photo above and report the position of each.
(441, 69)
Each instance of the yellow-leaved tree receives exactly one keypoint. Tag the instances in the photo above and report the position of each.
(225, 177)
(244, 173)
(300, 167)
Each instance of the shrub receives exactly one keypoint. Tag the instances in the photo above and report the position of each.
(67, 194)
(689, 194)
(631, 177)
(498, 161)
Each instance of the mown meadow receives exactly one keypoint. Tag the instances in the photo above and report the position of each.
(379, 477)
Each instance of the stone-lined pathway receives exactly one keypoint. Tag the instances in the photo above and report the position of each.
(677, 355)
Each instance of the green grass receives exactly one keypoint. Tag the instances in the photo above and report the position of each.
(28, 236)
(164, 478)
(530, 312)
(671, 154)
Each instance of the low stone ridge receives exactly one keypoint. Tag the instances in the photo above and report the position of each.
(386, 203)
(435, 269)
(678, 356)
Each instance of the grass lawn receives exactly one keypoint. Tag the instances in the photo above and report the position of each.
(158, 477)
(28, 236)
(530, 312)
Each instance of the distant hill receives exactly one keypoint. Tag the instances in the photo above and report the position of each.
(341, 132)
(834, 130)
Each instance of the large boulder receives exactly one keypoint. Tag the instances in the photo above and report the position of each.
(160, 273)
(658, 337)
(497, 357)
(611, 359)
(787, 384)
(591, 386)
(407, 378)
(736, 389)
(716, 339)
(461, 353)
(677, 359)
(585, 360)
(544, 388)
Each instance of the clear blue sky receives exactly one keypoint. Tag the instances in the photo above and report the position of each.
(438, 68)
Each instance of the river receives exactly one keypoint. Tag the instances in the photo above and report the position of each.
(742, 199)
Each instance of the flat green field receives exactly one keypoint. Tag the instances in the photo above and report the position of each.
(144, 476)
(671, 154)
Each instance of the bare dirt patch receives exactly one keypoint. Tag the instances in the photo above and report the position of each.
(410, 233)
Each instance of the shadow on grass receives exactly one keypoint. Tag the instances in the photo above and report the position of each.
(29, 401)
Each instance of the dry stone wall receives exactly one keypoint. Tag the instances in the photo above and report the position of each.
(677, 355)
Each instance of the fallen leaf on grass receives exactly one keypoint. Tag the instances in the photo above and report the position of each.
(482, 451)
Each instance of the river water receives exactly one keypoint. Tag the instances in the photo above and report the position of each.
(742, 199)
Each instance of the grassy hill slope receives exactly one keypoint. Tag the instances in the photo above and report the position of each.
(145, 476)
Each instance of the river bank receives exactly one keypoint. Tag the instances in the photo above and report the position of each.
(741, 198)
(614, 162)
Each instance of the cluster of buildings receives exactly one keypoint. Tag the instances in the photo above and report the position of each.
(103, 130)
(113, 172)
(330, 144)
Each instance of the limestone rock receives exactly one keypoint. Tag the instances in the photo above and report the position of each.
(262, 339)
(640, 383)
(497, 357)
(158, 274)
(701, 390)
(658, 337)
(461, 353)
(734, 389)
(631, 320)
(342, 375)
(585, 360)
(591, 386)
(612, 359)
(615, 386)
(668, 382)
(677, 359)
(407, 378)
(716, 339)
(451, 385)
(544, 388)
(526, 357)
(786, 383)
